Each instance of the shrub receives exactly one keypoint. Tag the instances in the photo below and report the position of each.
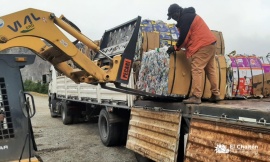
(35, 87)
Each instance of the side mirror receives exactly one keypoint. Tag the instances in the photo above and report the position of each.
(27, 104)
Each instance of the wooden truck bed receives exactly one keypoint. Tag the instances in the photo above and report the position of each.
(250, 108)
(231, 130)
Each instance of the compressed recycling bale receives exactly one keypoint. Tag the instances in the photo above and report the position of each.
(153, 75)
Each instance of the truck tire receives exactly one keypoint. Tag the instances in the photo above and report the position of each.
(109, 132)
(52, 106)
(66, 114)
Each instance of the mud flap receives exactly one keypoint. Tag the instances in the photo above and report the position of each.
(154, 134)
(215, 139)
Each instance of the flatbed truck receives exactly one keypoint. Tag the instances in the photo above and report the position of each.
(154, 129)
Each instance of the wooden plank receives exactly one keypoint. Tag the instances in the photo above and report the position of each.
(240, 142)
(162, 116)
(154, 134)
(155, 138)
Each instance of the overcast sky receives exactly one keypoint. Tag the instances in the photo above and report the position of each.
(245, 24)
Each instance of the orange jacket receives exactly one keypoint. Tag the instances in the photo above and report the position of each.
(194, 33)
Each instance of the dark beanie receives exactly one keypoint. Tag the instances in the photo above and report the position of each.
(172, 9)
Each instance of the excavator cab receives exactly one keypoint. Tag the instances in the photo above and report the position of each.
(16, 108)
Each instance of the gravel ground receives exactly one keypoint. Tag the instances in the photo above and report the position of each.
(79, 142)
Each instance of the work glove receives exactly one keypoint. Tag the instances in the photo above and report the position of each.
(171, 49)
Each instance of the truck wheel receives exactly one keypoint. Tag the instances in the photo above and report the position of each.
(66, 114)
(109, 132)
(52, 106)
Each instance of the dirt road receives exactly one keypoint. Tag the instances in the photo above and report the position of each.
(79, 142)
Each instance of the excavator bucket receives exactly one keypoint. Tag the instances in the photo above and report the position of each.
(121, 40)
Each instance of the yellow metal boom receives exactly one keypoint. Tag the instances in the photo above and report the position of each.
(29, 28)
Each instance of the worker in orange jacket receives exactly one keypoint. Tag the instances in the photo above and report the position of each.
(199, 42)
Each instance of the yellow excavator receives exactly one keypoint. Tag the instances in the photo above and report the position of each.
(41, 32)
(29, 28)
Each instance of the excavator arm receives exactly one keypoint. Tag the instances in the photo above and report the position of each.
(29, 28)
(40, 32)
